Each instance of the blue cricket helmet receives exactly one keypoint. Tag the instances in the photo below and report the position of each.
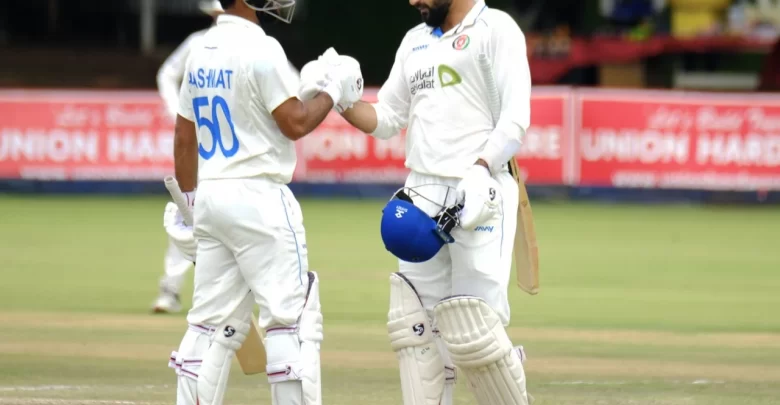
(409, 233)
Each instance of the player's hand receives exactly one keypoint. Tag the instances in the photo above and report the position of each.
(314, 79)
(344, 77)
(180, 234)
(347, 71)
(479, 193)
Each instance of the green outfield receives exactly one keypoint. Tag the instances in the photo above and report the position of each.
(640, 305)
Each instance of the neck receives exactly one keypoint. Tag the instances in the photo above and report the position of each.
(245, 13)
(457, 13)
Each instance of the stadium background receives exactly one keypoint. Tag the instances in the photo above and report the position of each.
(653, 163)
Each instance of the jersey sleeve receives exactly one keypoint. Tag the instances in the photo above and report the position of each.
(513, 75)
(393, 101)
(275, 77)
(171, 73)
(513, 79)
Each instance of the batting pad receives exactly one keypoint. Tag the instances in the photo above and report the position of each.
(481, 349)
(411, 337)
(186, 362)
(294, 354)
(215, 369)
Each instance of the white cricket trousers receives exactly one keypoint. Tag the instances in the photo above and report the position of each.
(250, 240)
(176, 267)
(479, 262)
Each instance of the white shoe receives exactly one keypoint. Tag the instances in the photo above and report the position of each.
(167, 302)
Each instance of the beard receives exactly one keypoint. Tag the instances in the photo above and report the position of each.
(434, 16)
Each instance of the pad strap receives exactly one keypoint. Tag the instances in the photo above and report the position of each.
(189, 366)
(284, 364)
(183, 366)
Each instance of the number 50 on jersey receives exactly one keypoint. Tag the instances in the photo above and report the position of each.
(216, 104)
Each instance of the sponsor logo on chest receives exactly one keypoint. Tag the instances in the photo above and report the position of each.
(425, 78)
(422, 79)
(434, 75)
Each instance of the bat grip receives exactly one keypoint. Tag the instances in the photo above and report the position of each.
(179, 199)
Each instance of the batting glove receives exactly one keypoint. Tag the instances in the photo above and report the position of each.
(179, 233)
(344, 73)
(314, 79)
(479, 193)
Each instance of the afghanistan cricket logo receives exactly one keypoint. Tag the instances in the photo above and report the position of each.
(460, 43)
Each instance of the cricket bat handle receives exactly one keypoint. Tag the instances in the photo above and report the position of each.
(178, 198)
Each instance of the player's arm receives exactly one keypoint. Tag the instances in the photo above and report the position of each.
(185, 142)
(185, 154)
(513, 79)
(390, 114)
(297, 118)
(171, 73)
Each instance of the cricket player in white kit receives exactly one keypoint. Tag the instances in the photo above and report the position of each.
(238, 118)
(451, 311)
(169, 79)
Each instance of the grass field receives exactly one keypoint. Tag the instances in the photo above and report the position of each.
(640, 305)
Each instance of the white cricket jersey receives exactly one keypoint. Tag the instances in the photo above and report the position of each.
(236, 77)
(437, 92)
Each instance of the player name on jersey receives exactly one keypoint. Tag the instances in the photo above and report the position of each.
(211, 78)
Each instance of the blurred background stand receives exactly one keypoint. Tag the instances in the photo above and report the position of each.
(682, 44)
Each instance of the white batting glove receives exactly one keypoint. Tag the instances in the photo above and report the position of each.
(344, 78)
(180, 233)
(314, 79)
(479, 193)
(351, 78)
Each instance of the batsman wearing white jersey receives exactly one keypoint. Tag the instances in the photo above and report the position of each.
(237, 121)
(454, 224)
(169, 80)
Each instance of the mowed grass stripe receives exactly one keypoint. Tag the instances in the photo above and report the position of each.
(593, 367)
(91, 323)
(345, 340)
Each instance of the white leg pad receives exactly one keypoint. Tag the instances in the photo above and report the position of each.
(215, 369)
(411, 338)
(294, 355)
(480, 347)
(186, 363)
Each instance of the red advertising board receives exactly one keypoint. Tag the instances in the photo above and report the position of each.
(678, 140)
(545, 157)
(577, 137)
(84, 136)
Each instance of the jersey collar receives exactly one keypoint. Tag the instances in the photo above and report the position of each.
(232, 19)
(468, 21)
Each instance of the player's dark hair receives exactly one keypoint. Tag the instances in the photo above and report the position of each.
(226, 4)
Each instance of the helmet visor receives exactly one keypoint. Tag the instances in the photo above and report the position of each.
(283, 10)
